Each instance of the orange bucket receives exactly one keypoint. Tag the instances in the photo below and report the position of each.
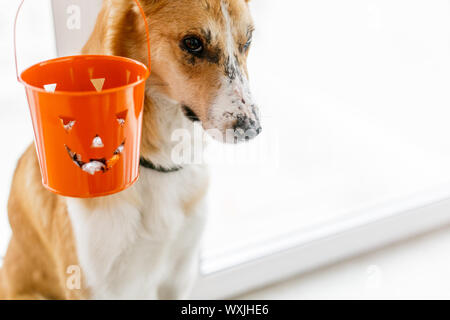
(87, 119)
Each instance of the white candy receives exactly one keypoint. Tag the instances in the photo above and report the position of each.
(119, 149)
(93, 167)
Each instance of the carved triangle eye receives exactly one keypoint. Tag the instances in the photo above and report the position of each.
(98, 84)
(122, 117)
(51, 87)
(67, 123)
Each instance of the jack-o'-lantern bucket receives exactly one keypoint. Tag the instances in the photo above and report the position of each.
(87, 118)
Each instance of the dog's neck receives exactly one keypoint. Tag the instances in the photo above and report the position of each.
(163, 122)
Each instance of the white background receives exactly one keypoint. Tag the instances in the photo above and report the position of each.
(355, 101)
(357, 94)
(35, 43)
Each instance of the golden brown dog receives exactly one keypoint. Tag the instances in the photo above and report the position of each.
(141, 243)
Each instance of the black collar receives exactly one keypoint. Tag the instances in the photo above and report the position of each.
(150, 165)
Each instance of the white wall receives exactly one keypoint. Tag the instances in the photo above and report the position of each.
(74, 22)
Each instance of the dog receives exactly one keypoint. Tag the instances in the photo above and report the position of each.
(142, 243)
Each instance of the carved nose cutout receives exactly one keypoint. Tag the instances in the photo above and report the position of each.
(97, 142)
(121, 117)
(67, 123)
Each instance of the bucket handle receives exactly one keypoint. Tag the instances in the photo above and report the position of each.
(141, 10)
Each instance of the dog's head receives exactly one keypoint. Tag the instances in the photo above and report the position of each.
(200, 50)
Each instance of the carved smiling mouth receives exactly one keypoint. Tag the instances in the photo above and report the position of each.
(96, 165)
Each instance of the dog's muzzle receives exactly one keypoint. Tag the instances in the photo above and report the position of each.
(246, 128)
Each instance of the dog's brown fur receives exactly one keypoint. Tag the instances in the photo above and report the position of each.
(42, 246)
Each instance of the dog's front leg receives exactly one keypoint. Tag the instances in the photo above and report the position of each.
(180, 285)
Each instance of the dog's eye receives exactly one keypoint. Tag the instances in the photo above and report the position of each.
(193, 44)
(247, 45)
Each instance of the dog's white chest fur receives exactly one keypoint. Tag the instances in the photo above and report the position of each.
(142, 243)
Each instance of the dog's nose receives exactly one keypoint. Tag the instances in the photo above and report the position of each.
(246, 128)
(97, 142)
